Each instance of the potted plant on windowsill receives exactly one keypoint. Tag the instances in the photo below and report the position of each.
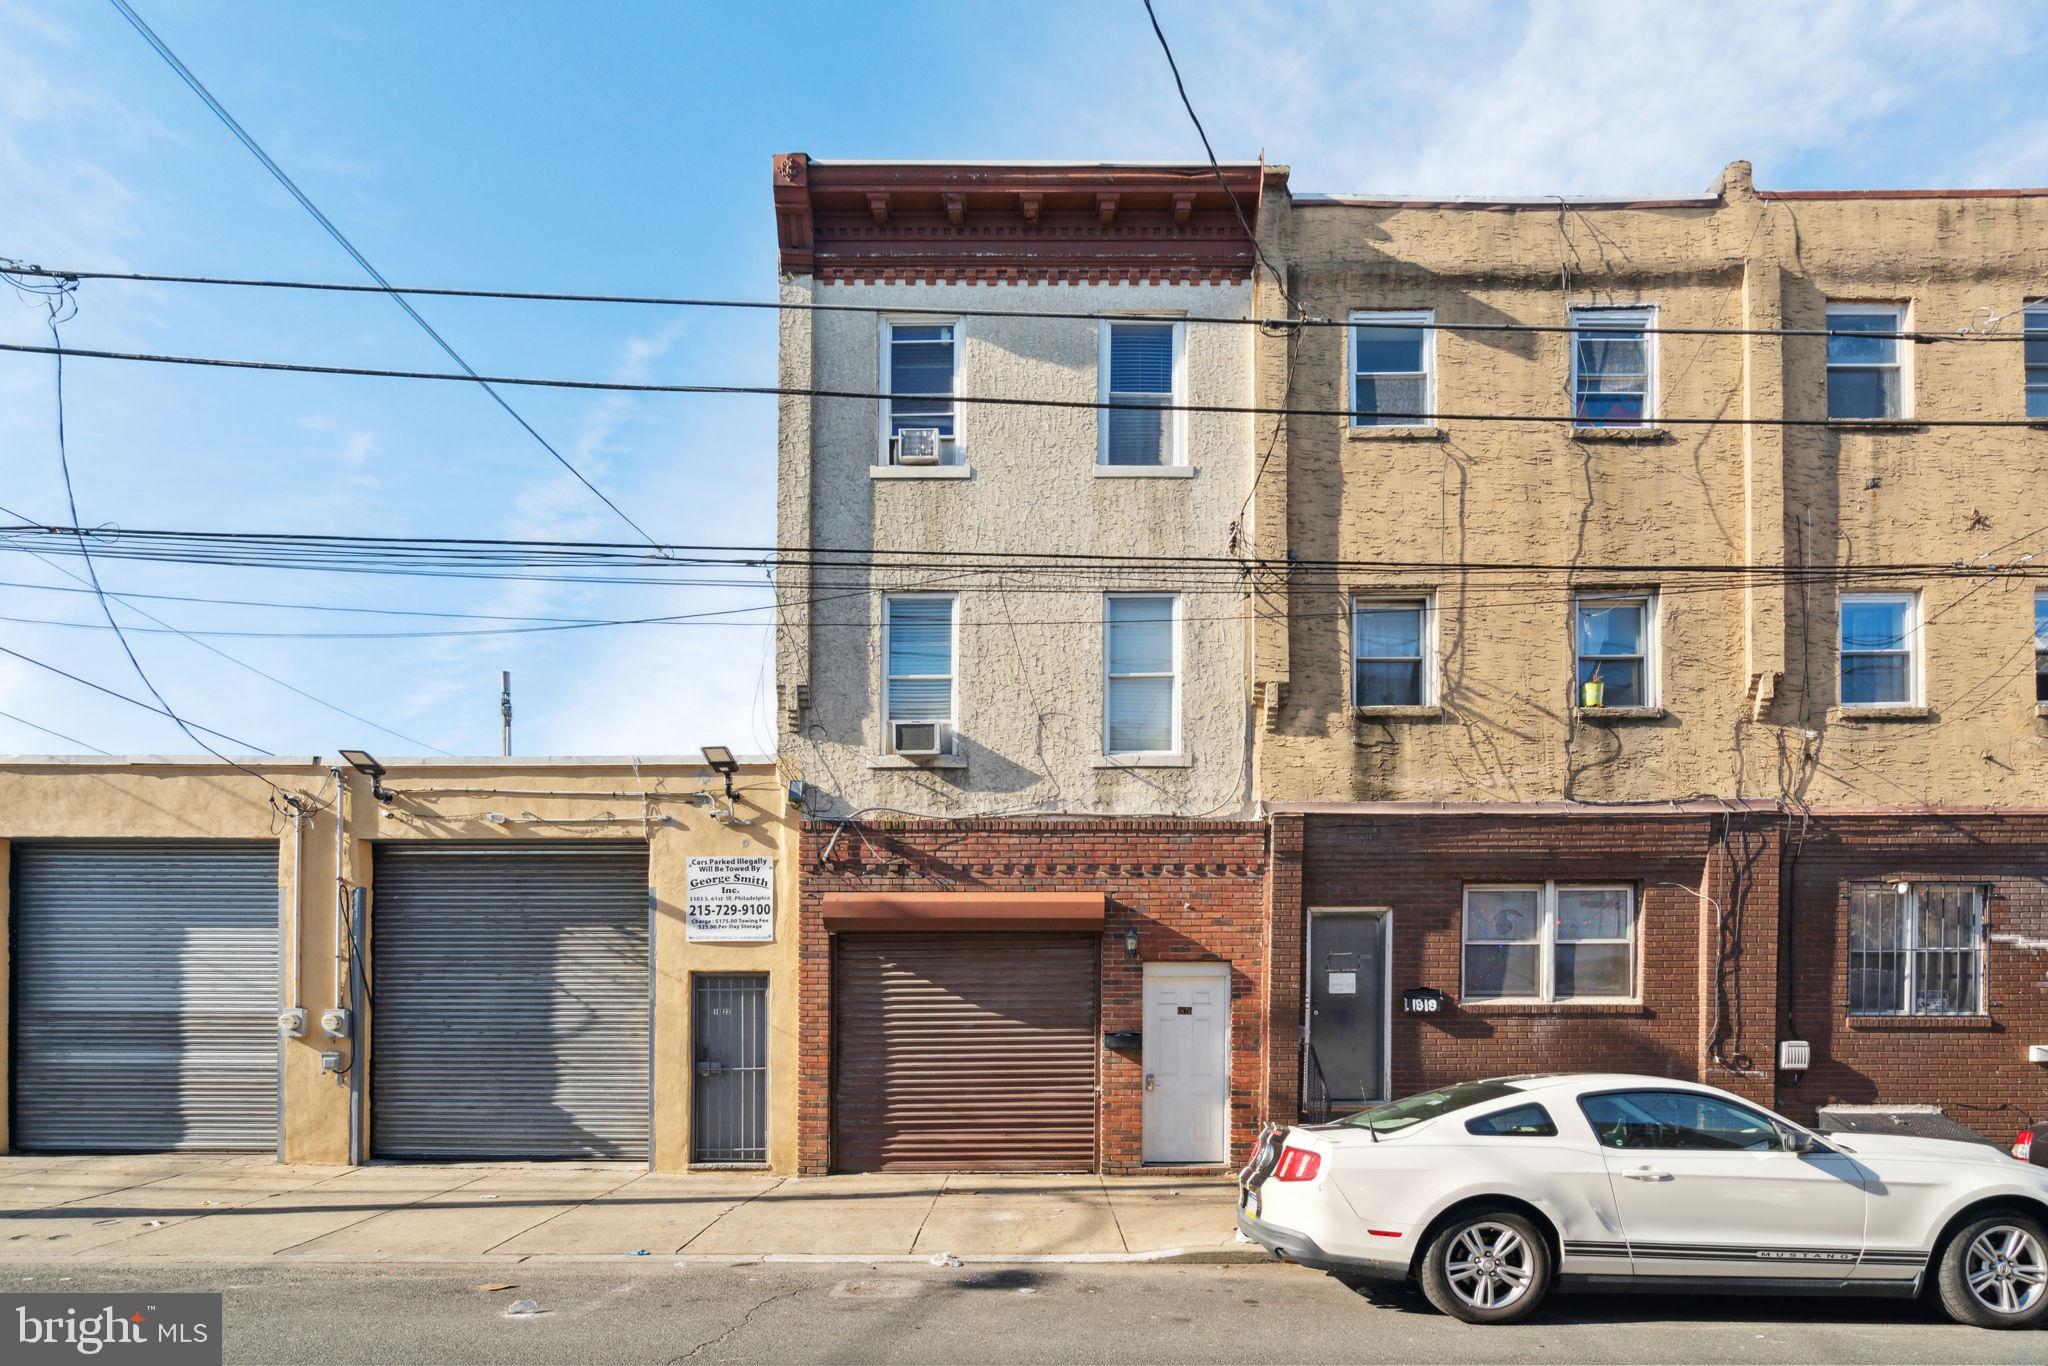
(1593, 692)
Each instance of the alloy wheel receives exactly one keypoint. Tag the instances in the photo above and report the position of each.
(2005, 1269)
(1490, 1266)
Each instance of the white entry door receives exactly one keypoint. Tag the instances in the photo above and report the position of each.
(1187, 1062)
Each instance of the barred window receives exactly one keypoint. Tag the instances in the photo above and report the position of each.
(1916, 952)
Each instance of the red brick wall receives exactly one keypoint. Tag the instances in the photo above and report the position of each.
(1419, 866)
(1976, 1069)
(1195, 890)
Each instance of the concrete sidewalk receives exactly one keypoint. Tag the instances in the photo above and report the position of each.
(246, 1209)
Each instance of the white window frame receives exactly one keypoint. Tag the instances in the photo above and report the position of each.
(1909, 950)
(1915, 690)
(953, 448)
(1546, 938)
(1901, 360)
(1426, 644)
(1177, 419)
(2040, 629)
(952, 722)
(1425, 318)
(1652, 686)
(1174, 747)
(1601, 318)
(2034, 378)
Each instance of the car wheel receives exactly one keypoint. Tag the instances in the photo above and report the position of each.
(1994, 1272)
(1491, 1266)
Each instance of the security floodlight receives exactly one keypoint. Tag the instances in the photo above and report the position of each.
(363, 762)
(721, 762)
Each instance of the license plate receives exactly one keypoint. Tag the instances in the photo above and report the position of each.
(1251, 1203)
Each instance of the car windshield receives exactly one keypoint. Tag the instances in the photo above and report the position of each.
(1403, 1114)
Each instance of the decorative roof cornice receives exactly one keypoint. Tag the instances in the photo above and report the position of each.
(1014, 224)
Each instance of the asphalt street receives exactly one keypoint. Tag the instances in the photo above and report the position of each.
(660, 1312)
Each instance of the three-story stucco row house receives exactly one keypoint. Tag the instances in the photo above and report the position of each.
(1251, 654)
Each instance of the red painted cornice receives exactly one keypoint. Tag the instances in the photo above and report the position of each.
(846, 221)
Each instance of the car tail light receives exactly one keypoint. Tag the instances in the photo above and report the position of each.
(2023, 1146)
(1298, 1164)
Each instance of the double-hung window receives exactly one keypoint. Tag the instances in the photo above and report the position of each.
(1878, 664)
(1614, 379)
(1616, 648)
(1393, 359)
(2041, 647)
(1140, 368)
(2036, 348)
(1390, 652)
(1549, 941)
(1866, 367)
(1919, 951)
(920, 374)
(1141, 659)
(918, 651)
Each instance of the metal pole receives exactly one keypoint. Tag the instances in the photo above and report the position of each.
(358, 1025)
(505, 711)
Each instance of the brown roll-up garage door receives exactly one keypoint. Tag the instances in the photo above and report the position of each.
(964, 1052)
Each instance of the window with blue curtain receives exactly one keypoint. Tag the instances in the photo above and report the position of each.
(1387, 664)
(2036, 348)
(1140, 430)
(921, 361)
(1865, 375)
(1141, 674)
(1611, 367)
(919, 655)
(1877, 649)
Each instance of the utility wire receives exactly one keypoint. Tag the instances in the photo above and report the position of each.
(255, 149)
(53, 305)
(14, 267)
(67, 739)
(138, 702)
(989, 400)
(1279, 280)
(164, 627)
(569, 552)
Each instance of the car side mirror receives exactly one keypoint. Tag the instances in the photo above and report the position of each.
(1800, 1142)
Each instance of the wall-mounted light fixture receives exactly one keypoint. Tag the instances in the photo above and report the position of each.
(720, 761)
(1131, 942)
(364, 763)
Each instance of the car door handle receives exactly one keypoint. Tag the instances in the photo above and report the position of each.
(1648, 1174)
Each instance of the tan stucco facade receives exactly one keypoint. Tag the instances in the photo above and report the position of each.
(1029, 681)
(1745, 661)
(667, 805)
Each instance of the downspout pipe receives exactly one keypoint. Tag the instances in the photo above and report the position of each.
(359, 1028)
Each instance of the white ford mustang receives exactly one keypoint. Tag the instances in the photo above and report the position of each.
(1492, 1193)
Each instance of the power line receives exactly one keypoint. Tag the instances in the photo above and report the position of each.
(67, 739)
(576, 552)
(138, 702)
(1034, 314)
(220, 111)
(53, 303)
(989, 400)
(1279, 280)
(165, 627)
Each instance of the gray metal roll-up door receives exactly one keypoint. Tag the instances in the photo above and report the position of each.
(146, 991)
(510, 997)
(964, 1052)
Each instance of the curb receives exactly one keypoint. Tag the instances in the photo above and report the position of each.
(1174, 1256)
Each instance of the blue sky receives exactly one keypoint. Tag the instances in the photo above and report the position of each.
(625, 147)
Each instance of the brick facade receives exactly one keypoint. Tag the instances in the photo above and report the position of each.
(1975, 1068)
(1194, 890)
(1694, 1019)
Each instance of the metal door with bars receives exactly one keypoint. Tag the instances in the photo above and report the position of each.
(729, 1040)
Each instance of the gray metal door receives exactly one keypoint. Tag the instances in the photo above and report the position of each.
(146, 985)
(729, 1036)
(1347, 1011)
(509, 1001)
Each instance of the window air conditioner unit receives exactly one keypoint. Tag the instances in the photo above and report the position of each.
(918, 446)
(919, 739)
